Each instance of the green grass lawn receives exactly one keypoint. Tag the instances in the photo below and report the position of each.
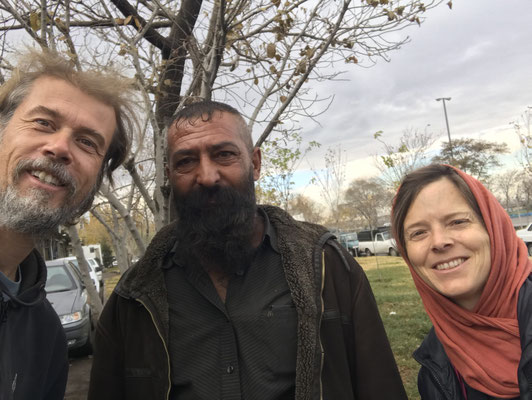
(111, 276)
(401, 310)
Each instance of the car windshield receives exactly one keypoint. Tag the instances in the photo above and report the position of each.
(59, 280)
(349, 236)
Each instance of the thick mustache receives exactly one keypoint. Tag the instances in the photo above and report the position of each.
(200, 197)
(58, 170)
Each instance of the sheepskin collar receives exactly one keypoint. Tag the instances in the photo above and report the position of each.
(300, 245)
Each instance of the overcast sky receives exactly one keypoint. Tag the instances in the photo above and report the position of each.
(479, 54)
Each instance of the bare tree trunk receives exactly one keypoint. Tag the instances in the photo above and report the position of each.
(121, 247)
(159, 218)
(117, 241)
(161, 194)
(104, 189)
(94, 300)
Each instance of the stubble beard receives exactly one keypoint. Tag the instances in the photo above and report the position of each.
(30, 212)
(216, 225)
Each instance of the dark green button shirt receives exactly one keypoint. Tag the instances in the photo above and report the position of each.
(243, 349)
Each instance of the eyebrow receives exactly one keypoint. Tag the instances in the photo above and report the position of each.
(58, 116)
(452, 215)
(211, 149)
(413, 226)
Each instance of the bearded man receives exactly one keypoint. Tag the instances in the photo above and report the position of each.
(61, 132)
(235, 300)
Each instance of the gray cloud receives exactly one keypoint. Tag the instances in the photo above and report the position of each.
(479, 54)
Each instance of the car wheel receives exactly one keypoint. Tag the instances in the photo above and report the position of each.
(530, 249)
(393, 252)
(367, 252)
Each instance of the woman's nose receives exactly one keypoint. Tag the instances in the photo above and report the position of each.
(441, 239)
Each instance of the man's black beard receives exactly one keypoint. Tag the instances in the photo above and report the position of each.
(215, 226)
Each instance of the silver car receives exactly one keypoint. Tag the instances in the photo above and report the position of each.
(69, 299)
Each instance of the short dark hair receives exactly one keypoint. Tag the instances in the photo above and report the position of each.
(413, 183)
(108, 88)
(205, 110)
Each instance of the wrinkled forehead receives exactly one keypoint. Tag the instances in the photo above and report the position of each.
(231, 127)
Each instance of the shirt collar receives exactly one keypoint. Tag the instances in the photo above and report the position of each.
(11, 286)
(270, 236)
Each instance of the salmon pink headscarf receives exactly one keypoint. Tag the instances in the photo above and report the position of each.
(483, 344)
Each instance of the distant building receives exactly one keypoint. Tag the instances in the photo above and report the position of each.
(55, 246)
(520, 220)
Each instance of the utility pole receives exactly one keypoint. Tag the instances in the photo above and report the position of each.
(444, 99)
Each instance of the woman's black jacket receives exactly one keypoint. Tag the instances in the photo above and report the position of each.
(437, 379)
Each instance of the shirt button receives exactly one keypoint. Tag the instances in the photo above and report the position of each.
(230, 369)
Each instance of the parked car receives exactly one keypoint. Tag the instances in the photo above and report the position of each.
(350, 242)
(68, 297)
(376, 242)
(92, 272)
(526, 235)
(97, 268)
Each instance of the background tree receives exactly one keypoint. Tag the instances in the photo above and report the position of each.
(107, 255)
(346, 219)
(267, 195)
(473, 156)
(506, 185)
(306, 209)
(396, 161)
(331, 181)
(524, 191)
(91, 231)
(522, 127)
(282, 157)
(262, 56)
(371, 199)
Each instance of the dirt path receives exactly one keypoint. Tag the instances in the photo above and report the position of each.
(78, 378)
(80, 367)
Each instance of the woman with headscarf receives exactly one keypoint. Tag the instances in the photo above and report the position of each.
(473, 275)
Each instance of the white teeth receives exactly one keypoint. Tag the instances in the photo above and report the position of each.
(46, 178)
(450, 264)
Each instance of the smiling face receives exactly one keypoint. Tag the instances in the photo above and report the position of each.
(447, 244)
(52, 150)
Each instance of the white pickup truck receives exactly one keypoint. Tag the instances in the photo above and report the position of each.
(526, 235)
(382, 243)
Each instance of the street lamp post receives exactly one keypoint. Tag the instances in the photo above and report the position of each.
(443, 100)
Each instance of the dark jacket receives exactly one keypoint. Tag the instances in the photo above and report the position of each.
(342, 349)
(437, 379)
(33, 349)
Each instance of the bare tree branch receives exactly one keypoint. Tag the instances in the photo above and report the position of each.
(151, 34)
